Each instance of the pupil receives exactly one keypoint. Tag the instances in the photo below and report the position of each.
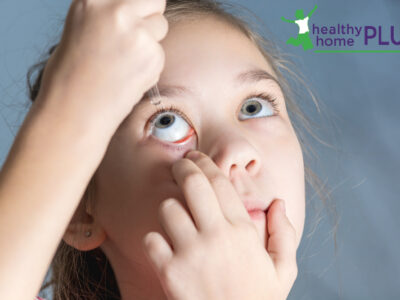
(165, 120)
(251, 108)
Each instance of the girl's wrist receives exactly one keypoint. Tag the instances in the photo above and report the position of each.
(64, 133)
(70, 116)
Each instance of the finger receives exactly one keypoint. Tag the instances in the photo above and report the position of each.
(230, 203)
(198, 193)
(156, 25)
(177, 223)
(282, 244)
(134, 12)
(157, 251)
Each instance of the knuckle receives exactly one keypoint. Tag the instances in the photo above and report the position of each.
(119, 14)
(140, 41)
(160, 5)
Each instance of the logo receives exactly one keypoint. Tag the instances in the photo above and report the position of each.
(303, 38)
(343, 37)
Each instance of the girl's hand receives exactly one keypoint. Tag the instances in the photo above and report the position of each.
(214, 252)
(108, 57)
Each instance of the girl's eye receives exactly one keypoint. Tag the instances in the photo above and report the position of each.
(256, 109)
(171, 127)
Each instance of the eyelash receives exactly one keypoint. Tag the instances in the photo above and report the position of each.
(171, 107)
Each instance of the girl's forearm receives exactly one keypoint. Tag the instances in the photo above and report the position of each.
(42, 180)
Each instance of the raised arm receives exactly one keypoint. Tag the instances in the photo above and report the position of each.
(286, 20)
(312, 11)
(41, 183)
(66, 133)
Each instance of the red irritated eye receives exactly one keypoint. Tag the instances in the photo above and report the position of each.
(189, 135)
(170, 126)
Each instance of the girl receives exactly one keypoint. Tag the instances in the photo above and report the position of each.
(104, 184)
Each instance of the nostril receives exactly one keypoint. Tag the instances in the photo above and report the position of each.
(250, 165)
(233, 167)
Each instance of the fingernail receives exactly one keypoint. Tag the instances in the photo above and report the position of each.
(192, 154)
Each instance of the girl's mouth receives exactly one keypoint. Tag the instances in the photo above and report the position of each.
(258, 214)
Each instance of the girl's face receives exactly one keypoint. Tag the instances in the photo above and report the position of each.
(213, 78)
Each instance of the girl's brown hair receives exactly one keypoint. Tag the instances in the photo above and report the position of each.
(88, 274)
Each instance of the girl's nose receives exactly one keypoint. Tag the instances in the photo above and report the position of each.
(232, 150)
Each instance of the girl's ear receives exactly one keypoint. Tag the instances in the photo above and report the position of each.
(83, 232)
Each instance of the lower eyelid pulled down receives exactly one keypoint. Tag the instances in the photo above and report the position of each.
(176, 147)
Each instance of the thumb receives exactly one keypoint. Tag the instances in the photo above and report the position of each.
(282, 242)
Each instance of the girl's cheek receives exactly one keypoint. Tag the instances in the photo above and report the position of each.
(270, 126)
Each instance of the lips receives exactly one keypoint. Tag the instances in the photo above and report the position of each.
(257, 214)
(255, 204)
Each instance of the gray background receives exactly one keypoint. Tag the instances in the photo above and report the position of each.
(361, 93)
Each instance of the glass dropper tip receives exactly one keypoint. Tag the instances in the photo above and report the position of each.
(155, 97)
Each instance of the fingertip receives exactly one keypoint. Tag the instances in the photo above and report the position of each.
(156, 249)
(278, 221)
(147, 241)
(278, 206)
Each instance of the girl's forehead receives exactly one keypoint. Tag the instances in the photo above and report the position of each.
(208, 48)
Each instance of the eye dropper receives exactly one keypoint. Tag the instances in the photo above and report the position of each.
(155, 97)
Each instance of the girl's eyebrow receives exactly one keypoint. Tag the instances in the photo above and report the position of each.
(247, 77)
(253, 76)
